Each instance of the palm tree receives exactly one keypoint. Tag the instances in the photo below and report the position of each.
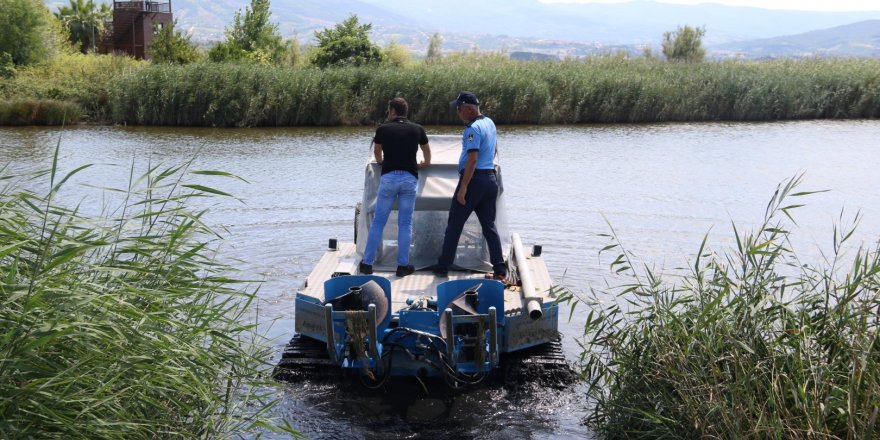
(85, 22)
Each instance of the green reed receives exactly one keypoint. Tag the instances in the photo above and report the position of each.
(751, 343)
(78, 80)
(39, 112)
(123, 325)
(595, 90)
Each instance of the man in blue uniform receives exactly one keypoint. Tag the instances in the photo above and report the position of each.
(477, 188)
(395, 146)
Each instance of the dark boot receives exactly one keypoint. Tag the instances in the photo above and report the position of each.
(440, 271)
(364, 268)
(403, 271)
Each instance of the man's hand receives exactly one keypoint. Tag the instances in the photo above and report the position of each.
(377, 153)
(461, 193)
(424, 164)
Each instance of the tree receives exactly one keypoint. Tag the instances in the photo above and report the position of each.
(252, 37)
(685, 44)
(26, 32)
(293, 53)
(434, 44)
(7, 67)
(85, 21)
(396, 54)
(171, 46)
(346, 44)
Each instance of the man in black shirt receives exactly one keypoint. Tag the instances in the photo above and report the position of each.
(395, 146)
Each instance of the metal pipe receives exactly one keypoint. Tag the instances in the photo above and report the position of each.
(480, 343)
(531, 299)
(493, 337)
(374, 347)
(331, 337)
(450, 338)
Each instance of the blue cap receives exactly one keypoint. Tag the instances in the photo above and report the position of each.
(465, 98)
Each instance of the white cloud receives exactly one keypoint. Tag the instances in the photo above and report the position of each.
(801, 5)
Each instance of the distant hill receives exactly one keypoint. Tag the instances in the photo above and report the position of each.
(556, 30)
(300, 18)
(634, 22)
(856, 39)
(532, 56)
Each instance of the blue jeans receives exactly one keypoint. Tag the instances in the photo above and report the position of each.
(399, 185)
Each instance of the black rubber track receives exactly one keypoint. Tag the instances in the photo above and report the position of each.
(305, 358)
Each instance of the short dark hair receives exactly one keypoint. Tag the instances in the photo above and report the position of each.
(399, 105)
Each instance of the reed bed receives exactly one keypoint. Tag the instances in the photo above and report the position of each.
(750, 343)
(39, 112)
(595, 90)
(83, 80)
(603, 89)
(124, 325)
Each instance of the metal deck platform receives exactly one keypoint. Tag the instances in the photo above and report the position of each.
(344, 260)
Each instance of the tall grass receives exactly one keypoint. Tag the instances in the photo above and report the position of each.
(84, 80)
(39, 112)
(752, 343)
(602, 89)
(122, 325)
(592, 90)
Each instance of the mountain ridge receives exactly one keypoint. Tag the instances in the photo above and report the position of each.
(556, 29)
(856, 39)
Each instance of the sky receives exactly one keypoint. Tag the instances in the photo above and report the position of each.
(801, 5)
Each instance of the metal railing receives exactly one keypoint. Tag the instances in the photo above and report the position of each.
(143, 6)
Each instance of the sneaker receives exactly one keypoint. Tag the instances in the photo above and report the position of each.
(441, 272)
(364, 268)
(403, 271)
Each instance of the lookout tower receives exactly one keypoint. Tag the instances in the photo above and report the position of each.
(132, 29)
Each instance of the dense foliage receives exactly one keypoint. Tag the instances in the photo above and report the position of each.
(85, 80)
(7, 66)
(594, 90)
(579, 91)
(751, 343)
(346, 44)
(259, 80)
(396, 55)
(434, 48)
(85, 22)
(39, 112)
(252, 37)
(172, 46)
(122, 325)
(684, 44)
(27, 33)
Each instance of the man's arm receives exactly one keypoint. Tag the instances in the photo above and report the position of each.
(377, 152)
(426, 153)
(469, 166)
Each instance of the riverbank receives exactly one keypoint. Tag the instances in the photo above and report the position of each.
(749, 343)
(116, 90)
(39, 112)
(123, 324)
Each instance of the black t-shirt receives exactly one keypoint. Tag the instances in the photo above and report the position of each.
(400, 140)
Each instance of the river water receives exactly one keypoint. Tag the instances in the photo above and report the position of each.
(661, 187)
